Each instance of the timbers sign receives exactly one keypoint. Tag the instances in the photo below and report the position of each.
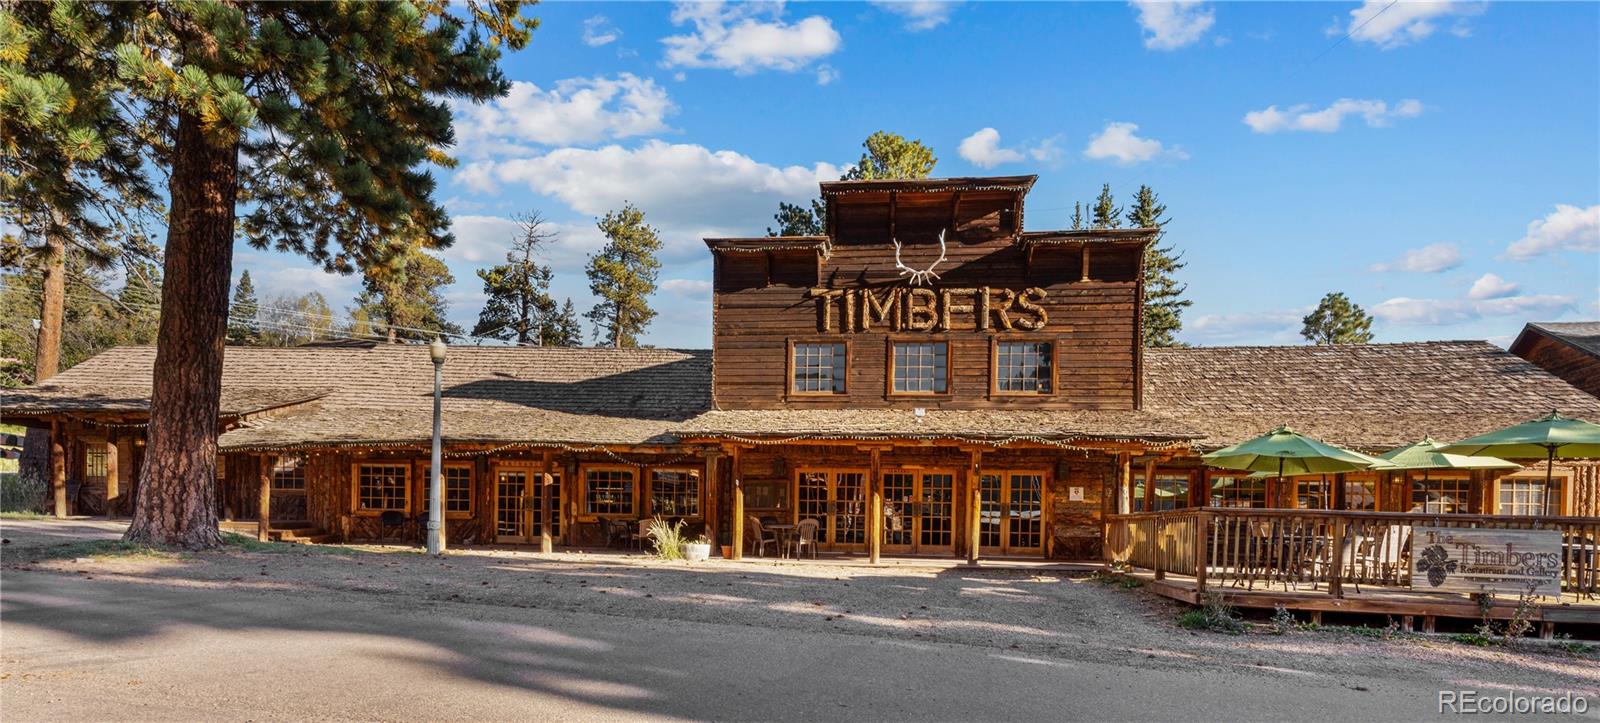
(1454, 559)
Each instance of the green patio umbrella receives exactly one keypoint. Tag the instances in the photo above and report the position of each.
(1292, 453)
(1549, 437)
(1426, 455)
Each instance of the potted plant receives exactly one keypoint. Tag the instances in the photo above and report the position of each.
(698, 549)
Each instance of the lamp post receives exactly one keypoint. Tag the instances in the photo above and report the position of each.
(436, 352)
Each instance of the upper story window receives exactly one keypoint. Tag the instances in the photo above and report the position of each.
(920, 367)
(1024, 367)
(819, 368)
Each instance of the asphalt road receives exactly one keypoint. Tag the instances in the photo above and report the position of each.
(75, 647)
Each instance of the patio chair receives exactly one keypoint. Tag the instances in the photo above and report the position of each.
(757, 537)
(643, 535)
(805, 537)
(393, 522)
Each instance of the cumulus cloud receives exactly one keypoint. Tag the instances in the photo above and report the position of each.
(1567, 228)
(1172, 24)
(1407, 311)
(576, 110)
(1430, 259)
(920, 15)
(484, 240)
(598, 31)
(1491, 286)
(746, 37)
(679, 186)
(1118, 142)
(1275, 326)
(826, 74)
(1388, 24)
(1376, 113)
(982, 149)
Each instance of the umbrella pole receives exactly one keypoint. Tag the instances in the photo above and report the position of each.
(1549, 469)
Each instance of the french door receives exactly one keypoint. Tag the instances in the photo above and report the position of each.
(518, 504)
(837, 500)
(918, 511)
(1011, 516)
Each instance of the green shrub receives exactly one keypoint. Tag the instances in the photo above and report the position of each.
(667, 539)
(1215, 614)
(1282, 620)
(19, 493)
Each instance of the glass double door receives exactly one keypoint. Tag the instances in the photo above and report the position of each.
(1011, 516)
(518, 504)
(837, 500)
(919, 512)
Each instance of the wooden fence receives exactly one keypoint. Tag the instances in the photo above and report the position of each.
(1291, 549)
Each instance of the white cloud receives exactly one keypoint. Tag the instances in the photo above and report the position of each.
(1118, 142)
(1568, 227)
(687, 190)
(1491, 286)
(576, 110)
(1376, 113)
(982, 149)
(1278, 326)
(1430, 259)
(920, 15)
(1172, 24)
(480, 240)
(826, 74)
(686, 287)
(1439, 312)
(1389, 24)
(597, 31)
(746, 37)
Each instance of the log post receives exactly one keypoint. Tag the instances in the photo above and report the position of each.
(264, 489)
(737, 548)
(1150, 485)
(1158, 524)
(974, 506)
(126, 484)
(58, 468)
(710, 488)
(1335, 581)
(875, 509)
(1125, 496)
(113, 476)
(1202, 550)
(547, 543)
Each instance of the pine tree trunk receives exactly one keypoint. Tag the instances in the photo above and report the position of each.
(47, 352)
(176, 501)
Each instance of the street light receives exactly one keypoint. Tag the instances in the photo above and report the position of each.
(436, 352)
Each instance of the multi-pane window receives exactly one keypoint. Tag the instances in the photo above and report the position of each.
(1023, 367)
(94, 463)
(675, 492)
(289, 474)
(1527, 497)
(921, 367)
(1447, 495)
(1171, 492)
(1361, 494)
(457, 483)
(1313, 493)
(609, 492)
(819, 368)
(1238, 491)
(382, 487)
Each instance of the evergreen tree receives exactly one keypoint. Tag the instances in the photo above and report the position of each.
(519, 306)
(1077, 216)
(1337, 320)
(888, 156)
(319, 117)
(1106, 213)
(564, 329)
(623, 276)
(407, 304)
(1163, 295)
(242, 326)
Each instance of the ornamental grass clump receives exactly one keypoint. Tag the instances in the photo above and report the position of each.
(667, 539)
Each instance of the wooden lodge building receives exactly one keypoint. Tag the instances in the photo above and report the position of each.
(925, 377)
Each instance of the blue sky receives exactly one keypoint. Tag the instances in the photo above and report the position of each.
(1439, 163)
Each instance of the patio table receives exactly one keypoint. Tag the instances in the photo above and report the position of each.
(781, 530)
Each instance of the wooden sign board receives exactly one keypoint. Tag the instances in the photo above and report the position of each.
(1454, 559)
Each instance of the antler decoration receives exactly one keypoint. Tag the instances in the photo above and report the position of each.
(919, 277)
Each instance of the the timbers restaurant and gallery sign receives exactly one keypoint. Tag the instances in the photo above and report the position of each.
(915, 308)
(1453, 559)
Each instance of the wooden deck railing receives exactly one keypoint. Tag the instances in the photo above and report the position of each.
(1290, 549)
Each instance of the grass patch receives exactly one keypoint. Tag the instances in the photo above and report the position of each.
(25, 516)
(102, 549)
(244, 543)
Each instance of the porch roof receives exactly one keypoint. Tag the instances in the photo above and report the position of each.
(1056, 425)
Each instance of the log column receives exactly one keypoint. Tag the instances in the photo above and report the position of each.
(875, 509)
(264, 490)
(974, 506)
(58, 468)
(1150, 485)
(709, 483)
(738, 508)
(113, 475)
(547, 543)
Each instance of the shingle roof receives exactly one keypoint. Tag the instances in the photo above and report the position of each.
(1368, 396)
(1581, 335)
